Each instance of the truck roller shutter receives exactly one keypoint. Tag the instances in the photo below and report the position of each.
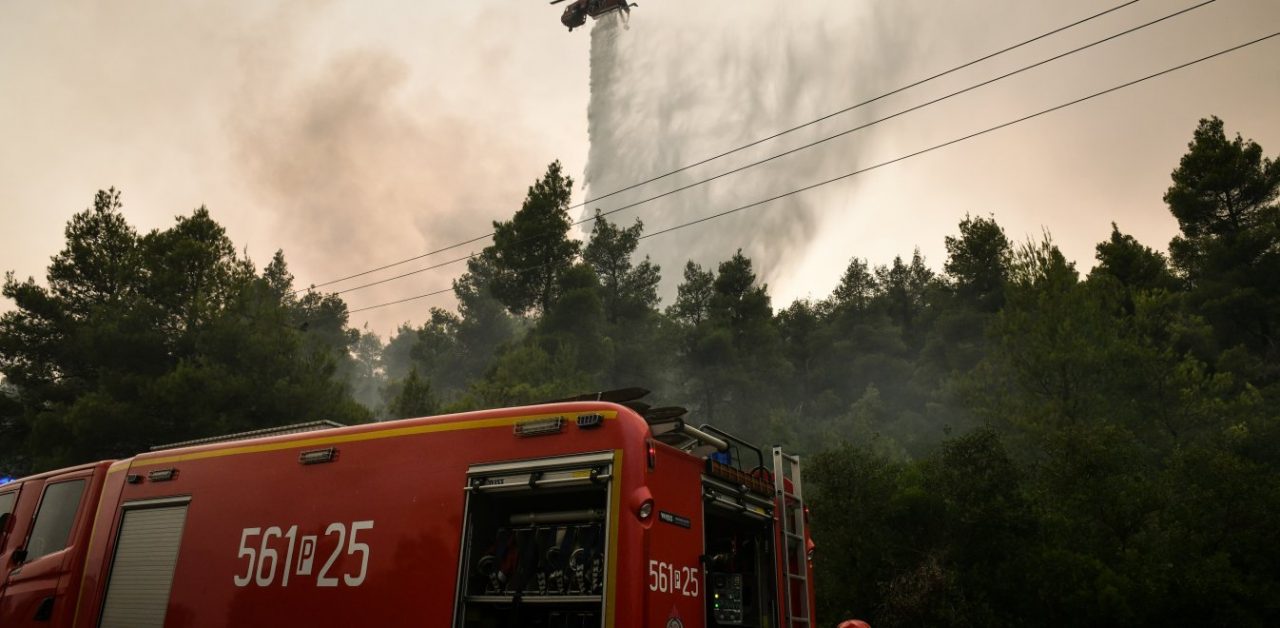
(142, 572)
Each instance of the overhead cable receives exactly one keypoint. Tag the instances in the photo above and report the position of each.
(743, 147)
(900, 158)
(809, 145)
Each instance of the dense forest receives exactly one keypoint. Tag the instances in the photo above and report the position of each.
(1002, 441)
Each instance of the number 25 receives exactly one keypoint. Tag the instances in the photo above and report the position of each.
(353, 547)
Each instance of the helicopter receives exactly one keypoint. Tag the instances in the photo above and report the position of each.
(575, 14)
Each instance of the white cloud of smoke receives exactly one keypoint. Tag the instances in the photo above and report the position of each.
(690, 80)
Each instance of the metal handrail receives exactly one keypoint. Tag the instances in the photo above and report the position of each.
(727, 436)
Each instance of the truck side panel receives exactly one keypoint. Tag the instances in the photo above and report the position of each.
(675, 574)
(369, 538)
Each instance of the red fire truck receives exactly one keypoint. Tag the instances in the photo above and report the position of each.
(597, 511)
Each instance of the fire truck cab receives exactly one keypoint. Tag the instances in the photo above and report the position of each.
(44, 525)
(569, 514)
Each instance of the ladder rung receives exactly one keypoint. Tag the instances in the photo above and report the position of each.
(793, 535)
(796, 576)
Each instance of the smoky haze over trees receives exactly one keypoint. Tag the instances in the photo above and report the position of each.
(1008, 441)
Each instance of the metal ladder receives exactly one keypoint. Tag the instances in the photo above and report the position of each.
(790, 505)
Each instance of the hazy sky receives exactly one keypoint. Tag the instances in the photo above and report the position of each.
(351, 133)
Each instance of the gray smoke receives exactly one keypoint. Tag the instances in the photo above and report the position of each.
(348, 166)
(685, 81)
(362, 156)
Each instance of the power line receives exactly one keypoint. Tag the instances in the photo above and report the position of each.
(405, 300)
(412, 272)
(754, 143)
(812, 144)
(904, 157)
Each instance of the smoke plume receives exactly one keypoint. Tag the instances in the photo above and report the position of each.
(683, 82)
(367, 153)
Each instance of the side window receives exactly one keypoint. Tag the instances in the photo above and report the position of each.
(7, 500)
(52, 528)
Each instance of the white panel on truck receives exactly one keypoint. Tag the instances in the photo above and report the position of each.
(142, 572)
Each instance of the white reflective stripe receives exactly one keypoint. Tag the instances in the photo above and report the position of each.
(581, 460)
(527, 481)
(142, 572)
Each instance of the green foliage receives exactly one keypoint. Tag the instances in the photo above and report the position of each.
(13, 433)
(532, 250)
(413, 398)
(141, 340)
(1221, 188)
(1121, 478)
(906, 288)
(693, 296)
(1135, 266)
(857, 286)
(1223, 195)
(978, 262)
(452, 350)
(730, 345)
(629, 291)
(854, 497)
